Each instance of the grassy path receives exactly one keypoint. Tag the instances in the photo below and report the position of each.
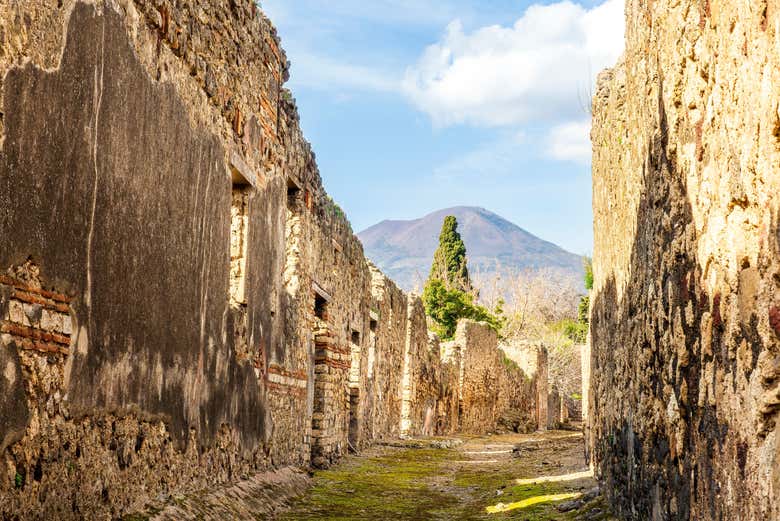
(483, 478)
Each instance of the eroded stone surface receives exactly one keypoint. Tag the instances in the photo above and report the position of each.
(683, 370)
(495, 392)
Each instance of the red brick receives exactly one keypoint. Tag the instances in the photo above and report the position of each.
(35, 334)
(18, 285)
(774, 319)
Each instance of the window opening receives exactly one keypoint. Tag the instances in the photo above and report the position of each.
(320, 307)
(293, 195)
(239, 239)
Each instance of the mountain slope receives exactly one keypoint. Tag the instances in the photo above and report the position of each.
(404, 249)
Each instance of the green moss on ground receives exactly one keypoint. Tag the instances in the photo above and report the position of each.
(429, 484)
(387, 486)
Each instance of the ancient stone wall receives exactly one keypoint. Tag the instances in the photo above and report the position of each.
(492, 386)
(335, 270)
(422, 374)
(167, 232)
(116, 167)
(685, 359)
(448, 405)
(181, 304)
(385, 358)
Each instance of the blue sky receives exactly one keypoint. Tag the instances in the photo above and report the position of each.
(416, 105)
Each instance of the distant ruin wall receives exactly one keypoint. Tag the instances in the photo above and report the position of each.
(685, 328)
(448, 405)
(494, 390)
(422, 374)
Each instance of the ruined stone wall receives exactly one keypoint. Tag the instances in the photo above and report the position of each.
(685, 360)
(448, 405)
(335, 267)
(422, 374)
(493, 388)
(181, 304)
(115, 166)
(562, 369)
(385, 358)
(164, 228)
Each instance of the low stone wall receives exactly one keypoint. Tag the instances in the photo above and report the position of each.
(492, 386)
(533, 359)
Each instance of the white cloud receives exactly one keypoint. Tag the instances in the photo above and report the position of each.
(540, 69)
(570, 142)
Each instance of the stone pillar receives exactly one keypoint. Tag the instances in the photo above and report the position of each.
(553, 408)
(585, 352)
(541, 388)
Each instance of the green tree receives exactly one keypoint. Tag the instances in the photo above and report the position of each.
(583, 310)
(574, 330)
(588, 273)
(444, 307)
(450, 264)
(448, 295)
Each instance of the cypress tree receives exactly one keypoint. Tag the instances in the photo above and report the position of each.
(448, 295)
(449, 261)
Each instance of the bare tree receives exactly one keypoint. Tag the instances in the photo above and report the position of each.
(537, 305)
(535, 300)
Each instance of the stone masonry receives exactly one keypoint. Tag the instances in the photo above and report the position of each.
(684, 365)
(493, 389)
(182, 306)
(422, 375)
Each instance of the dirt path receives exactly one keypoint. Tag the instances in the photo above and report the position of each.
(493, 477)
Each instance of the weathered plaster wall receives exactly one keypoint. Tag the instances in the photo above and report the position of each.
(126, 126)
(685, 360)
(94, 150)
